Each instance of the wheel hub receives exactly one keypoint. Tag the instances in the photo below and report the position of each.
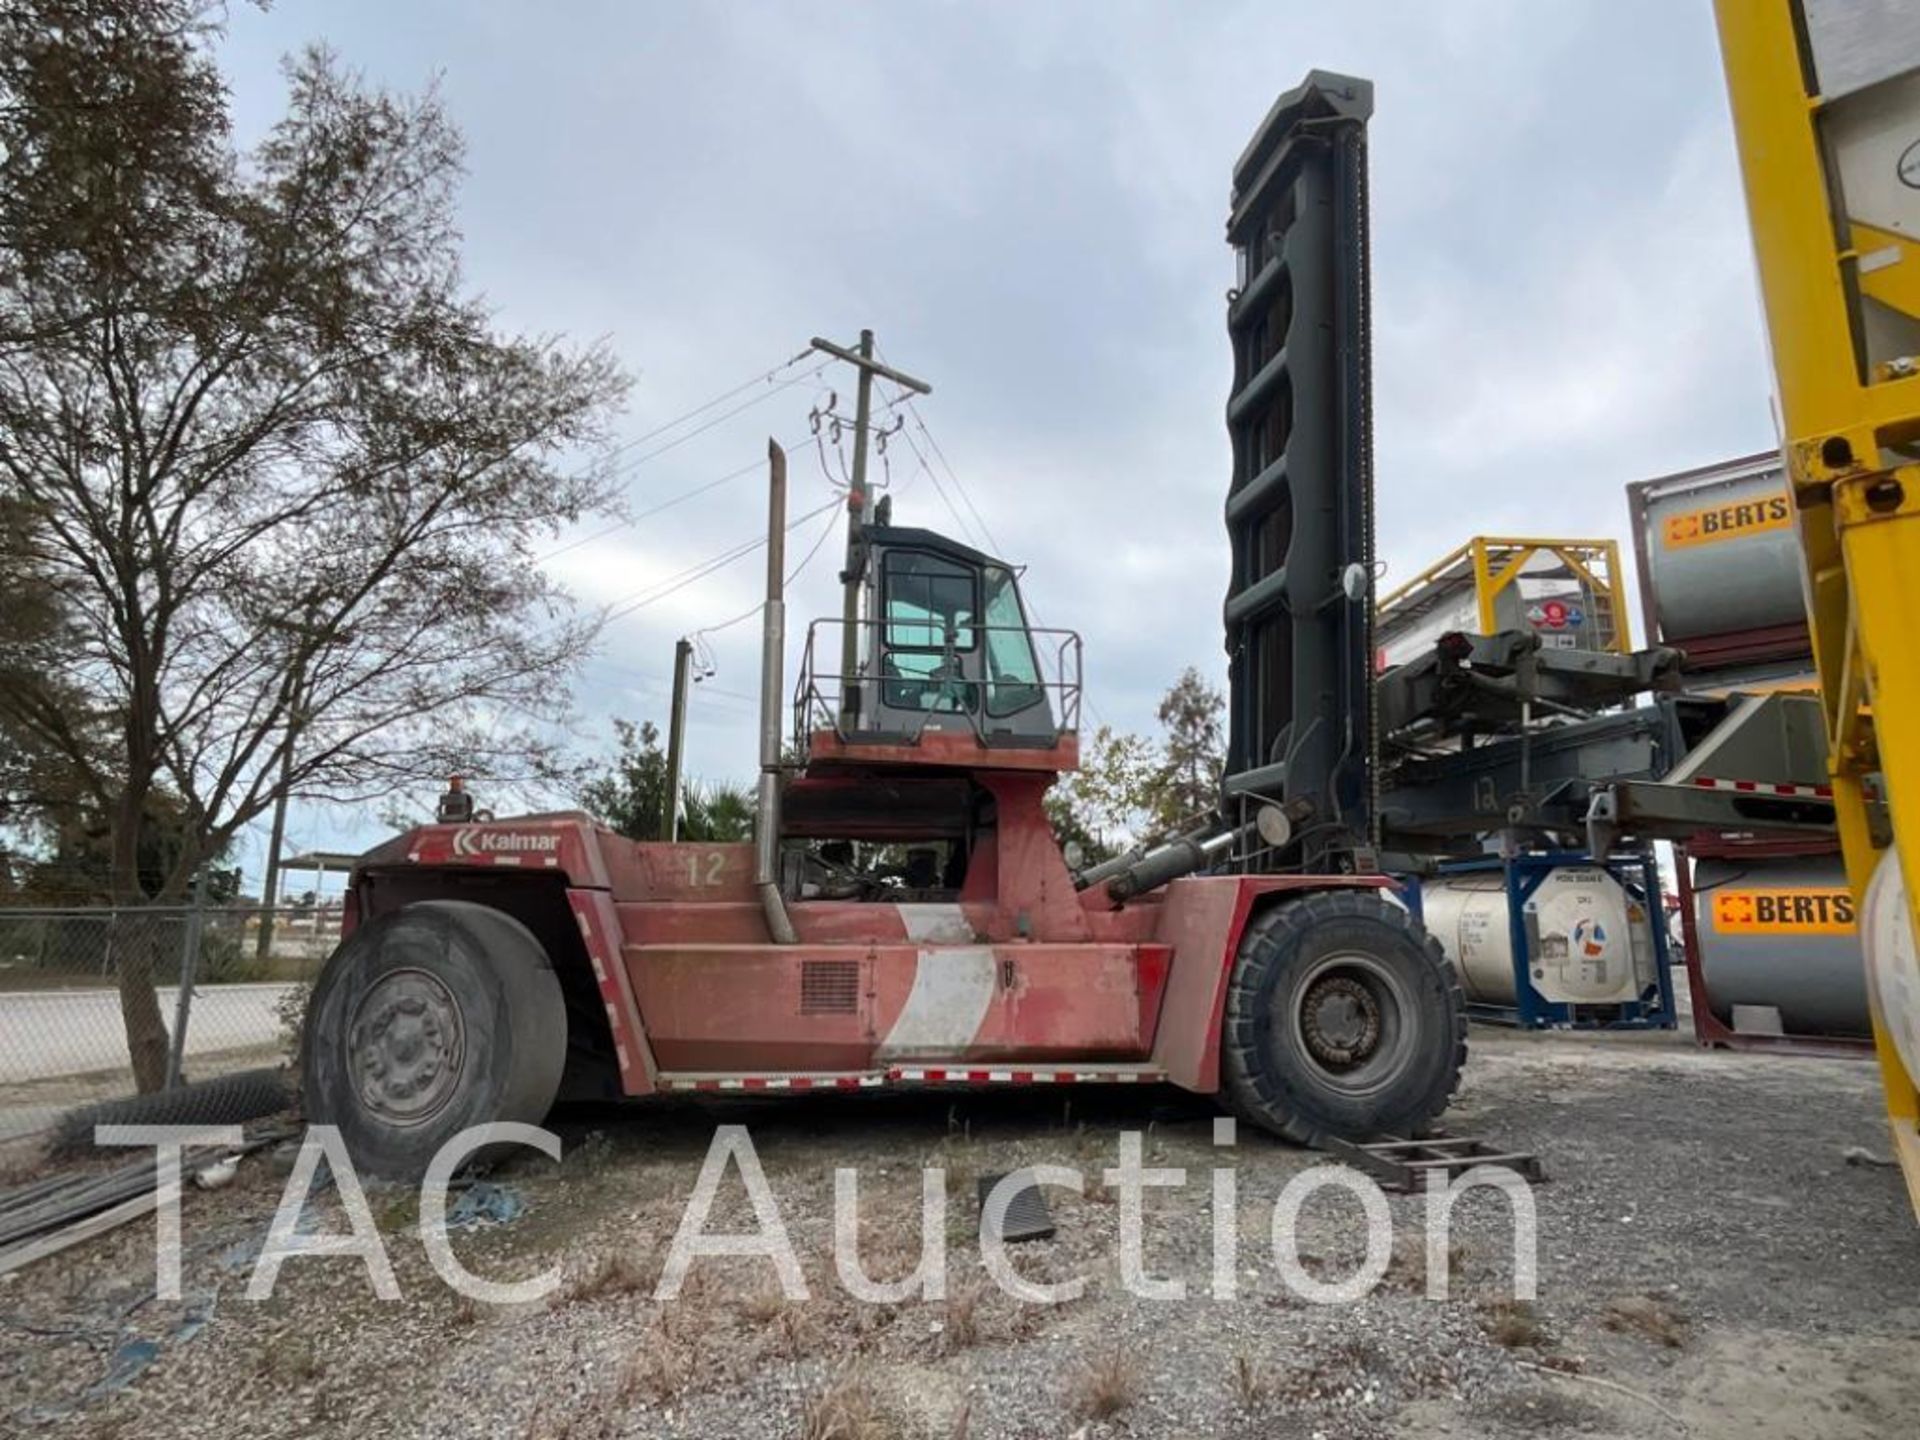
(405, 1046)
(1340, 1020)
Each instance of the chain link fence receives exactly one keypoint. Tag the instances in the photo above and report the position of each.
(230, 984)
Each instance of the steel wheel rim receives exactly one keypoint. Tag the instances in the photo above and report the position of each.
(406, 1044)
(1350, 1018)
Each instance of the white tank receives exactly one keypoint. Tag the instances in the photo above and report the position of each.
(1722, 553)
(1893, 970)
(1592, 944)
(1780, 933)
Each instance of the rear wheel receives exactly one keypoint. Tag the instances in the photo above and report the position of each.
(430, 1019)
(1343, 1019)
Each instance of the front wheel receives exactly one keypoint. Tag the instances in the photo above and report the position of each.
(427, 1020)
(1343, 1019)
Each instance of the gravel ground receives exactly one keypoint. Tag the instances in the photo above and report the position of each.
(1710, 1264)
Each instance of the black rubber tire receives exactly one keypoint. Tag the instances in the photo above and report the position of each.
(1270, 1077)
(511, 1015)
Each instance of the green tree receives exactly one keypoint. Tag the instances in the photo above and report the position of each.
(281, 478)
(1102, 805)
(715, 810)
(629, 794)
(1184, 787)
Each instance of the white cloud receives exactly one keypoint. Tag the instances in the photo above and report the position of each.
(1026, 203)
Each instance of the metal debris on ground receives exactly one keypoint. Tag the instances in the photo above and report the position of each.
(1026, 1217)
(46, 1216)
(1399, 1164)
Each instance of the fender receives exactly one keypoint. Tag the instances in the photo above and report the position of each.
(1203, 918)
(599, 925)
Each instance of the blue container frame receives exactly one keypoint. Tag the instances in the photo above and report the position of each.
(1639, 874)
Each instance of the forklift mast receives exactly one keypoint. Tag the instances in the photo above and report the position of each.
(1299, 607)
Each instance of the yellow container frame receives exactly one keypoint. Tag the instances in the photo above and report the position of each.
(1498, 561)
(1858, 514)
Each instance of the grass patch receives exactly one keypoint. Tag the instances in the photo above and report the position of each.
(1648, 1316)
(960, 1326)
(1105, 1387)
(291, 1360)
(1252, 1386)
(618, 1273)
(1515, 1325)
(844, 1408)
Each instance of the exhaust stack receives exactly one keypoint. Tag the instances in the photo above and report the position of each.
(773, 641)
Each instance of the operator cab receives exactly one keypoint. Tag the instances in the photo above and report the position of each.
(944, 661)
(930, 724)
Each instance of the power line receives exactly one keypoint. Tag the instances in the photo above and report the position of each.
(630, 466)
(764, 377)
(947, 465)
(664, 684)
(747, 614)
(702, 488)
(939, 489)
(993, 545)
(700, 571)
(627, 469)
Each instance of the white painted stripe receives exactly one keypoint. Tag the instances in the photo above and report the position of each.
(955, 1075)
(936, 924)
(951, 992)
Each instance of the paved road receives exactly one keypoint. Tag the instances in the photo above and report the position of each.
(49, 1033)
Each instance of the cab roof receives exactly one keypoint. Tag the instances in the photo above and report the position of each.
(907, 537)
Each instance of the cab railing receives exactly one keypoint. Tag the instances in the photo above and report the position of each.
(824, 688)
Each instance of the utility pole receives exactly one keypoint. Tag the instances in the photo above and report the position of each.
(859, 510)
(270, 889)
(676, 738)
(311, 637)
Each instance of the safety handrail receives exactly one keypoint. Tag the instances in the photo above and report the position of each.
(818, 692)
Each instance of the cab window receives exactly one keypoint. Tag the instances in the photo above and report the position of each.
(931, 606)
(1013, 674)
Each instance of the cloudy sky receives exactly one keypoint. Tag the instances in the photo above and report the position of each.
(1025, 202)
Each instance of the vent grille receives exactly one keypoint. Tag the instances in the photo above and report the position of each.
(829, 987)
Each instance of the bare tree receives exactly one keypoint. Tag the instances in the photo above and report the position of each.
(1185, 785)
(278, 470)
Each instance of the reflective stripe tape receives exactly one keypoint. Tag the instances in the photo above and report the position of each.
(858, 1080)
(1027, 1077)
(1765, 787)
(867, 1079)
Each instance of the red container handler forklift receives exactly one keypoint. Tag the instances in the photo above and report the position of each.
(906, 915)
